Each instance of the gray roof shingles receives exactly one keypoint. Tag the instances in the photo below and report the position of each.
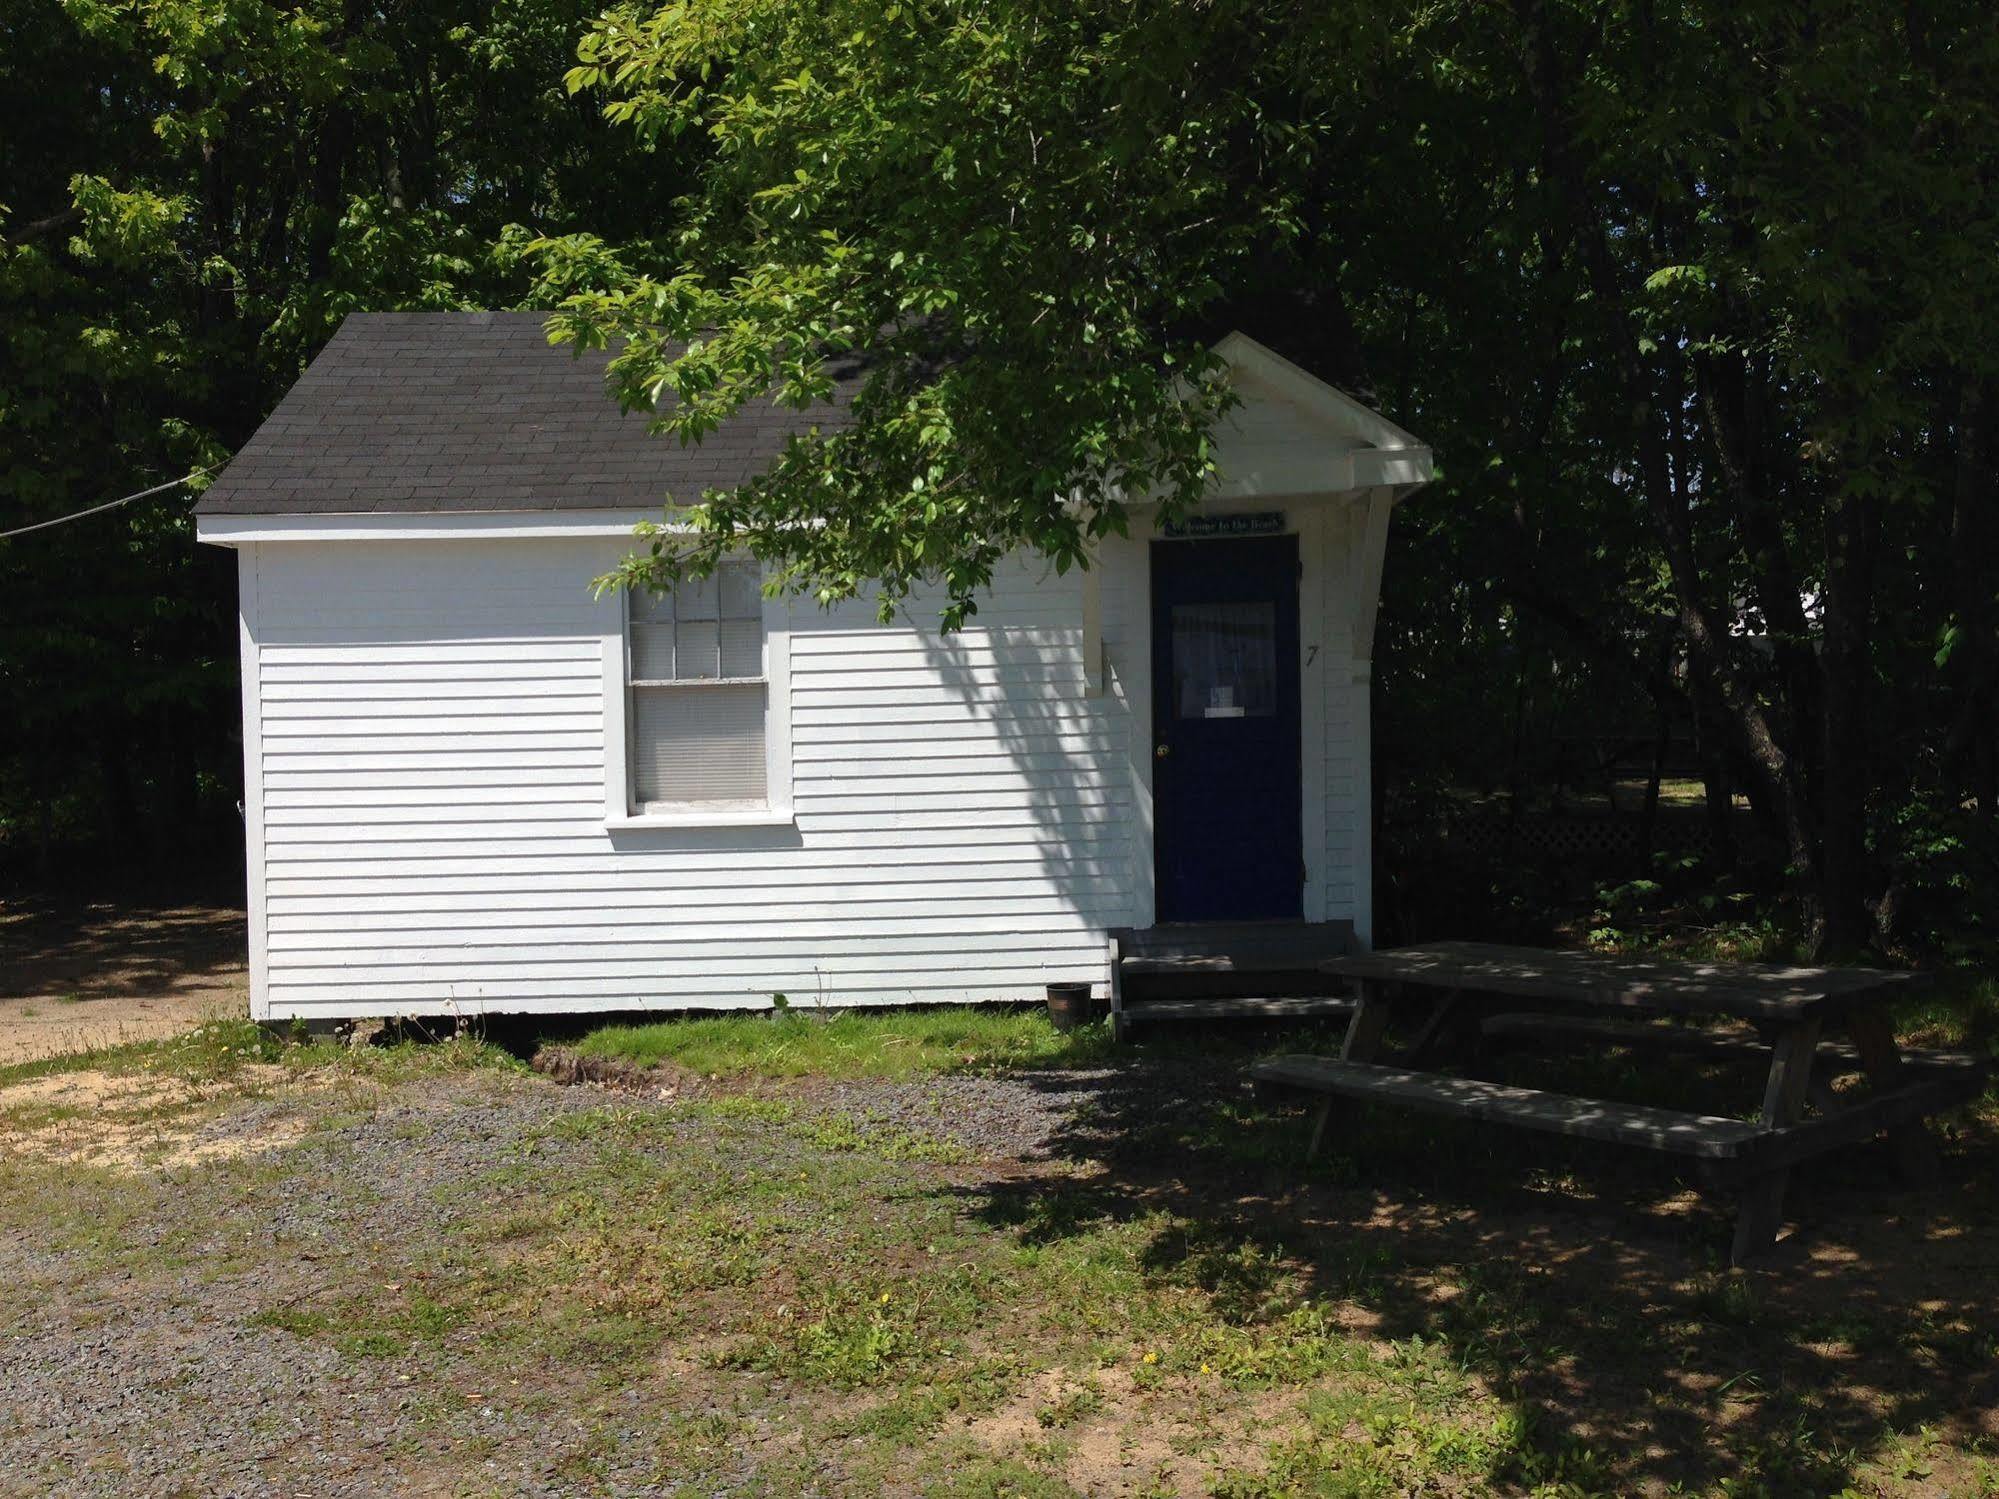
(414, 412)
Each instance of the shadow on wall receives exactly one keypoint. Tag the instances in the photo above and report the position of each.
(1067, 747)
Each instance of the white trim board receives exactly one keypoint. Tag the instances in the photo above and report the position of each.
(255, 871)
(242, 530)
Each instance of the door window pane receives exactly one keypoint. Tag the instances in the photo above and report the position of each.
(1225, 660)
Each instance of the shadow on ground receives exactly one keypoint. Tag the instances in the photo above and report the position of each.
(118, 949)
(1587, 1284)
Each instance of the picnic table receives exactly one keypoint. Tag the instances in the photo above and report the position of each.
(1780, 1010)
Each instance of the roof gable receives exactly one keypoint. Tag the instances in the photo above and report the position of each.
(1340, 412)
(429, 413)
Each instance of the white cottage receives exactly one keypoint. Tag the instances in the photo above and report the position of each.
(472, 787)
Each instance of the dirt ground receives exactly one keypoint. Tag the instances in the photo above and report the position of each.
(77, 979)
(237, 1267)
(370, 1273)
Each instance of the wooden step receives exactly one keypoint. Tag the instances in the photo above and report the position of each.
(1233, 947)
(1278, 1007)
(1700, 1135)
(1252, 961)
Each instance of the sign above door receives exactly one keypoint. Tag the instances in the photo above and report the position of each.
(1249, 523)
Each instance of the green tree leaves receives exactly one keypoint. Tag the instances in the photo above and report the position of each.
(196, 195)
(1016, 220)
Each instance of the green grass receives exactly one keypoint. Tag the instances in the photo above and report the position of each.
(852, 1044)
(775, 1291)
(221, 1049)
(207, 1053)
(773, 1297)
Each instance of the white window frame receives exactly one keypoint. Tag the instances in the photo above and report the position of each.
(621, 808)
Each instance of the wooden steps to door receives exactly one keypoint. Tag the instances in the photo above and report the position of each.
(1233, 970)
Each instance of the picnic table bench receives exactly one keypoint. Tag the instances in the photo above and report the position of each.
(1788, 1007)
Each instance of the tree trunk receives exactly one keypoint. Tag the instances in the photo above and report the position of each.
(1730, 397)
(1648, 817)
(1776, 772)
(1970, 760)
(1845, 669)
(1717, 781)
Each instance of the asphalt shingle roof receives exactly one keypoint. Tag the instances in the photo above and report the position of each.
(416, 412)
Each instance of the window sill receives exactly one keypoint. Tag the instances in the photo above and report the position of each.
(700, 817)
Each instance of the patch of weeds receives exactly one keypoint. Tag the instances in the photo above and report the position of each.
(209, 1053)
(374, 1343)
(1966, 1347)
(616, 1121)
(1253, 1133)
(1304, 1344)
(362, 1327)
(1555, 1466)
(403, 1061)
(89, 1211)
(429, 1320)
(219, 1050)
(977, 1476)
(854, 1043)
(852, 1346)
(300, 1322)
(1369, 1438)
(1328, 1470)
(839, 1134)
(599, 1338)
(1730, 1300)
(743, 1106)
(907, 1414)
(1244, 1278)
(857, 1335)
(921, 1407)
(1074, 1403)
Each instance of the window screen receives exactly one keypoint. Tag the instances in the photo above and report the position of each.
(1225, 660)
(697, 690)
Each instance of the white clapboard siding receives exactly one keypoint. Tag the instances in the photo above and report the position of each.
(431, 756)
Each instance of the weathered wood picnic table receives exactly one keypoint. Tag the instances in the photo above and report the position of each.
(1790, 1009)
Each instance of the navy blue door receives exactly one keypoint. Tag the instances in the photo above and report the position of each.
(1225, 787)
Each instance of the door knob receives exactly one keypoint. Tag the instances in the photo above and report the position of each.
(1162, 751)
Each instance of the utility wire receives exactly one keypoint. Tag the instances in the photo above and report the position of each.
(43, 525)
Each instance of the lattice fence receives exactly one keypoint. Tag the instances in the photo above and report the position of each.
(1585, 840)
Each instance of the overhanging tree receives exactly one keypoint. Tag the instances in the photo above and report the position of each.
(1710, 285)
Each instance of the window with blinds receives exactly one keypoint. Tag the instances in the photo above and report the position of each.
(695, 673)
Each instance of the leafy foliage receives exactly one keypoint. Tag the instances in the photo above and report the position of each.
(1013, 219)
(191, 198)
(1694, 300)
(1682, 294)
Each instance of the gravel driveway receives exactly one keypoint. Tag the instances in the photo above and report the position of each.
(397, 1273)
(147, 1347)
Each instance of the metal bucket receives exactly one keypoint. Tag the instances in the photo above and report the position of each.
(1068, 1005)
